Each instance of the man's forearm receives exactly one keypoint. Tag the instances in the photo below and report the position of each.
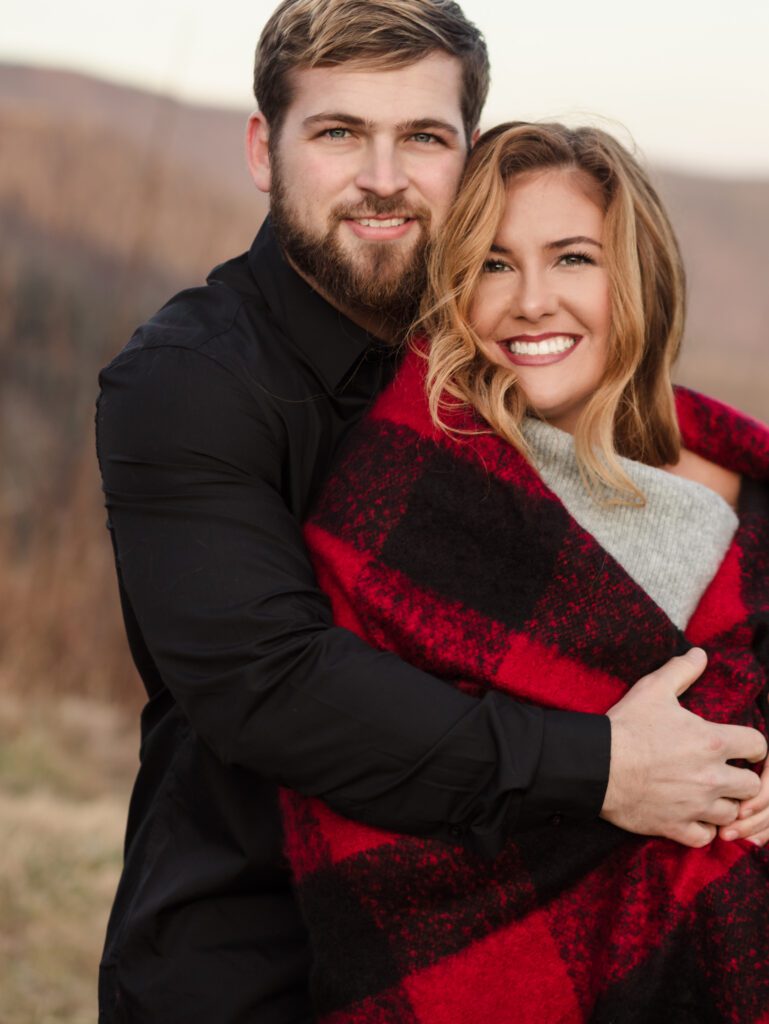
(216, 574)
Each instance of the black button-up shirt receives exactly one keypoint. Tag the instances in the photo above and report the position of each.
(215, 427)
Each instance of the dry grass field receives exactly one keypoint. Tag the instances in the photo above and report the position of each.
(65, 771)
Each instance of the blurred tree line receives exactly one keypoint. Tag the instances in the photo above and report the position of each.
(100, 225)
(110, 201)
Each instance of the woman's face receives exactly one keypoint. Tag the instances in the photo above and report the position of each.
(542, 307)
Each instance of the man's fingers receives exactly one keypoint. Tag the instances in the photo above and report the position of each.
(747, 828)
(759, 802)
(723, 812)
(738, 784)
(670, 773)
(678, 674)
(741, 743)
(695, 834)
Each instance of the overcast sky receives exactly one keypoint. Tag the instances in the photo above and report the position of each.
(687, 79)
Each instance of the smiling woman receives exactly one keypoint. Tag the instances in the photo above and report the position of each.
(543, 303)
(474, 535)
(558, 234)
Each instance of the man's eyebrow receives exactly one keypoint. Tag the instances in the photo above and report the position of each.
(335, 115)
(427, 124)
(423, 124)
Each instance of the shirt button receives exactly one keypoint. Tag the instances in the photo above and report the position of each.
(556, 819)
(456, 831)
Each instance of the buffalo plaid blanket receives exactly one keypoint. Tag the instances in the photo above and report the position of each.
(456, 556)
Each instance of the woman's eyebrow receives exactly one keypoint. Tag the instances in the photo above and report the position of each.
(562, 243)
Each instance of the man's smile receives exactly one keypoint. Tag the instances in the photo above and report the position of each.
(380, 228)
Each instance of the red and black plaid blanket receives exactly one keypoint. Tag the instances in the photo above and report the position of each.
(456, 556)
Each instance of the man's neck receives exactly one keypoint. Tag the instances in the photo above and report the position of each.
(376, 324)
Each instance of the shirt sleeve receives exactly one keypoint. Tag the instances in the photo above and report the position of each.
(214, 571)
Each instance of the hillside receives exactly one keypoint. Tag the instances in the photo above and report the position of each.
(115, 198)
(162, 187)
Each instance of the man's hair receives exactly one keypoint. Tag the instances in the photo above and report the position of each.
(379, 34)
(632, 412)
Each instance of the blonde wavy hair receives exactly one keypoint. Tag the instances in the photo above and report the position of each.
(632, 413)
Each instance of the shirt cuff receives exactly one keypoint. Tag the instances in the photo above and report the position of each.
(573, 771)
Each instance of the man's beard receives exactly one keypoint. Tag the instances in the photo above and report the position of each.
(379, 278)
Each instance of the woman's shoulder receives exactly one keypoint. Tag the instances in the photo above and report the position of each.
(694, 467)
(721, 435)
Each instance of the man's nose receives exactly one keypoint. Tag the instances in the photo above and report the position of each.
(382, 171)
(534, 296)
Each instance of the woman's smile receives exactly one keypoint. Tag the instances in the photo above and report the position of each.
(540, 349)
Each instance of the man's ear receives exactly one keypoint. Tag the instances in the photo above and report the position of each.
(474, 137)
(258, 151)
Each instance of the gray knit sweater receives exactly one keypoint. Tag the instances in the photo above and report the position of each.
(672, 546)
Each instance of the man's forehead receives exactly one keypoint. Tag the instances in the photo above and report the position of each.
(427, 89)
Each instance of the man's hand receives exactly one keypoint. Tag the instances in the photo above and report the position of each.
(668, 774)
(753, 819)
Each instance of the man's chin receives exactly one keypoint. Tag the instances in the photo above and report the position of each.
(389, 257)
(385, 278)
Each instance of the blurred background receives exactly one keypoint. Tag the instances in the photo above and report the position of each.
(122, 180)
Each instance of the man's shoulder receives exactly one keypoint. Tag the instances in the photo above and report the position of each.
(225, 324)
(206, 318)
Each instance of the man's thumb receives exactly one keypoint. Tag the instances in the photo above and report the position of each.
(679, 673)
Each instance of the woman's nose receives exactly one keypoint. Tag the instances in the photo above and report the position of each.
(534, 297)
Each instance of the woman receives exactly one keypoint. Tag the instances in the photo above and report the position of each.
(544, 515)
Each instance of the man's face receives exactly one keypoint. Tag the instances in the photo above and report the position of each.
(365, 167)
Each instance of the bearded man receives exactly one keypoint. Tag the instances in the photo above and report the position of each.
(216, 425)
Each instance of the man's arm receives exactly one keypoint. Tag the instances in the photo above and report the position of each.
(214, 568)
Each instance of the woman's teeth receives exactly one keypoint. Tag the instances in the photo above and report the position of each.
(550, 346)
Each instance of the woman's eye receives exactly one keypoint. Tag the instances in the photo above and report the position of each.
(495, 267)
(575, 259)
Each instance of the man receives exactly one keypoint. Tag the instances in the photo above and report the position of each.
(216, 425)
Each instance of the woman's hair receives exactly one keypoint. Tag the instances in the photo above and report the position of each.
(632, 412)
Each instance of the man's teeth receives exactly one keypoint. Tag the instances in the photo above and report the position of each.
(393, 222)
(550, 346)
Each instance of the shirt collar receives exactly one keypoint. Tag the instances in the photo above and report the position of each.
(327, 339)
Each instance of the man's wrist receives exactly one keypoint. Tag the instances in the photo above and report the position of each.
(573, 770)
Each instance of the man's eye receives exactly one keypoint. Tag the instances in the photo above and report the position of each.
(495, 267)
(425, 137)
(337, 133)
